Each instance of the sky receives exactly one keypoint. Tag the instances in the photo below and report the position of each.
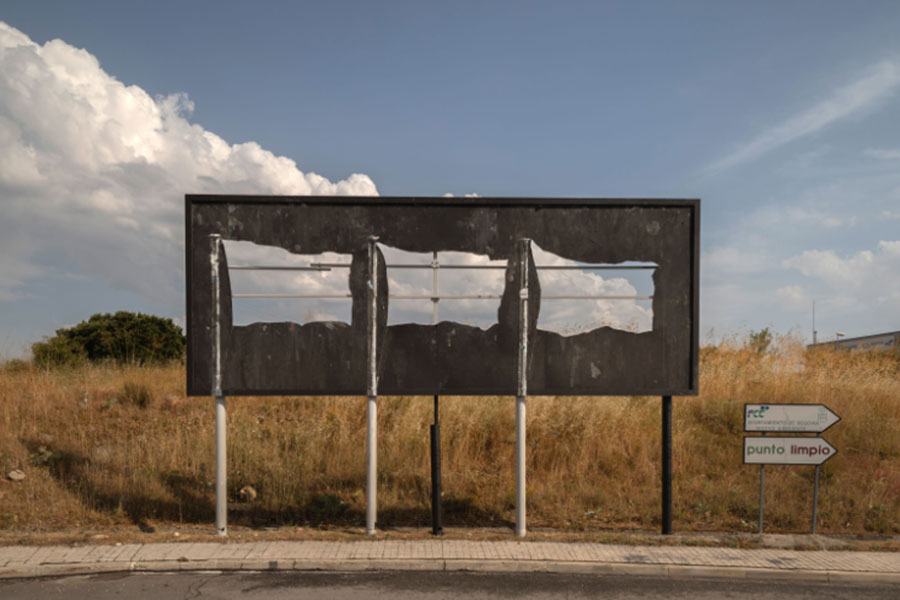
(782, 117)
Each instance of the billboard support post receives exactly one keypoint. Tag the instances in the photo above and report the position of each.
(221, 469)
(667, 465)
(372, 392)
(436, 492)
(436, 526)
(522, 387)
(221, 421)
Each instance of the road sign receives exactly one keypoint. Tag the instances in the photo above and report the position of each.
(789, 418)
(787, 450)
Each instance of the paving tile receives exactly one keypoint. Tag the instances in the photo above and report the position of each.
(75, 554)
(42, 553)
(18, 554)
(437, 554)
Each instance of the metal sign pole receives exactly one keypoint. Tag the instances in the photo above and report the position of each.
(372, 391)
(762, 492)
(815, 500)
(221, 422)
(522, 388)
(667, 465)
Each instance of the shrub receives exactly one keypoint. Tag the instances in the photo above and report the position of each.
(760, 341)
(16, 365)
(58, 351)
(123, 337)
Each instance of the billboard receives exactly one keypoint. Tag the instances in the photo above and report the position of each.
(446, 358)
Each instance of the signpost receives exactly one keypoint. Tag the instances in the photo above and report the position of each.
(788, 418)
(805, 450)
(787, 451)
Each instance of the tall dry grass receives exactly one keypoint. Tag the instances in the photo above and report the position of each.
(106, 445)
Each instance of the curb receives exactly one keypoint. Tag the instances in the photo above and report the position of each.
(448, 565)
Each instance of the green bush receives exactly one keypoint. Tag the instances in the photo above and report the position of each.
(123, 337)
(58, 351)
(761, 340)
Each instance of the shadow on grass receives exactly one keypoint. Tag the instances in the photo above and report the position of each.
(190, 500)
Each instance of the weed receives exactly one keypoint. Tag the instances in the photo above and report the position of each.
(876, 518)
(136, 394)
(44, 456)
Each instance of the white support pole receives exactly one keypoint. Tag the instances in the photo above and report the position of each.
(371, 464)
(522, 388)
(221, 481)
(520, 466)
(372, 393)
(221, 459)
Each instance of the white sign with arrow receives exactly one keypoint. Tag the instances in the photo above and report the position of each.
(789, 418)
(787, 451)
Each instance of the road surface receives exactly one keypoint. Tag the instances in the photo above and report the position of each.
(433, 585)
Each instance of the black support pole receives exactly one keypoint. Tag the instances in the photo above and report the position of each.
(437, 528)
(667, 465)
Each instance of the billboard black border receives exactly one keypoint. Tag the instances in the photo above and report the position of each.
(500, 201)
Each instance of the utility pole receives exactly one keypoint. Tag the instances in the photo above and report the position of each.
(814, 322)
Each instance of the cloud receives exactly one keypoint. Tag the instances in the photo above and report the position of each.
(575, 316)
(781, 215)
(879, 82)
(794, 296)
(563, 316)
(883, 153)
(872, 278)
(97, 171)
(729, 260)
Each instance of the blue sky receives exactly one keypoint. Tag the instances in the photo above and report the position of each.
(783, 117)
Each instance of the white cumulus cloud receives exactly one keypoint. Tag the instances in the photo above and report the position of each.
(93, 174)
(566, 316)
(96, 171)
(871, 277)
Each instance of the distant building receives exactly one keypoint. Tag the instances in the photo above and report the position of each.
(880, 341)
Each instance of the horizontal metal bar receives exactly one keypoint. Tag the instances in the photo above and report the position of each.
(298, 296)
(447, 297)
(440, 297)
(439, 266)
(596, 297)
(271, 268)
(592, 267)
(595, 267)
(498, 297)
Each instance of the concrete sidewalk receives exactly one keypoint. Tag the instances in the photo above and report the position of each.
(448, 555)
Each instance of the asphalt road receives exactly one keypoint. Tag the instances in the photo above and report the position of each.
(434, 585)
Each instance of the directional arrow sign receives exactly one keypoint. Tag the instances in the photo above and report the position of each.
(787, 450)
(788, 418)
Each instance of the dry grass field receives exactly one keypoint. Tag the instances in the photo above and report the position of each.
(119, 446)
